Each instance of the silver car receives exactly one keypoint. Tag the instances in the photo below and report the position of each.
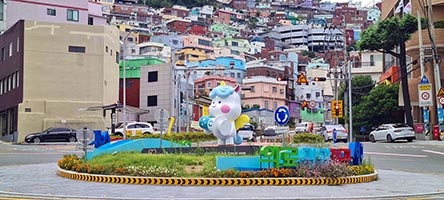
(326, 132)
(392, 132)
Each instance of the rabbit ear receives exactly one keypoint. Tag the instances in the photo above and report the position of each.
(237, 88)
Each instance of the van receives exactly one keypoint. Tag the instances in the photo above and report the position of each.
(304, 127)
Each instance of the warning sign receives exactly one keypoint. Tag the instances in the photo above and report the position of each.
(302, 79)
(440, 93)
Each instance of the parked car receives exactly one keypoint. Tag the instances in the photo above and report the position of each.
(247, 132)
(53, 134)
(269, 131)
(392, 132)
(304, 127)
(326, 132)
(138, 127)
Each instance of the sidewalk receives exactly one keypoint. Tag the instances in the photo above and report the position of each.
(41, 180)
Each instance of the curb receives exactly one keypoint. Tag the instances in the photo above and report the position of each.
(279, 181)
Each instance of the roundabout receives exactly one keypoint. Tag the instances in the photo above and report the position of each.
(279, 181)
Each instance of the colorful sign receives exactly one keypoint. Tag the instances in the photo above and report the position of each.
(425, 94)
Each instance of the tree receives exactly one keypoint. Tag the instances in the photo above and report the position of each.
(361, 86)
(380, 106)
(384, 37)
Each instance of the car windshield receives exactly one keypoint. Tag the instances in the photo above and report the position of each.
(337, 127)
(400, 126)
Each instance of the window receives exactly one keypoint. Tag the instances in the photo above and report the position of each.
(73, 15)
(17, 78)
(209, 85)
(3, 53)
(318, 94)
(1, 87)
(76, 49)
(252, 88)
(152, 76)
(204, 42)
(117, 57)
(372, 60)
(152, 101)
(10, 49)
(90, 21)
(106, 49)
(18, 44)
(234, 44)
(266, 104)
(51, 12)
(275, 105)
(308, 95)
(175, 42)
(13, 81)
(274, 89)
(1, 10)
(282, 91)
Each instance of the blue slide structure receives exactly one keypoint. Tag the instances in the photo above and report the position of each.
(131, 146)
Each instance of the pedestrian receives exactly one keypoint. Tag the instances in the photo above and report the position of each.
(362, 130)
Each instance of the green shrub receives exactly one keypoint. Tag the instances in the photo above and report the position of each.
(188, 136)
(308, 138)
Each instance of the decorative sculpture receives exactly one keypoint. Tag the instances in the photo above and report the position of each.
(225, 108)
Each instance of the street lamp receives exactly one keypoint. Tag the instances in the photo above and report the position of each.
(124, 82)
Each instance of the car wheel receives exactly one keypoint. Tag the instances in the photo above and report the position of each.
(72, 139)
(389, 138)
(118, 134)
(410, 140)
(146, 133)
(36, 140)
(372, 138)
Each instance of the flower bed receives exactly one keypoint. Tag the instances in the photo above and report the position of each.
(178, 165)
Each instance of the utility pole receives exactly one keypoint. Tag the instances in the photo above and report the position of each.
(436, 64)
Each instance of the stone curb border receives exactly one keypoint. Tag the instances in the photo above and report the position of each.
(215, 181)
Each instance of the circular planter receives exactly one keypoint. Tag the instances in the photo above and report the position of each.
(215, 181)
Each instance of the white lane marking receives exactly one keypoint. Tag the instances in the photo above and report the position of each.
(435, 152)
(395, 154)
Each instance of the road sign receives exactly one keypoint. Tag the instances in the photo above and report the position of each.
(441, 100)
(337, 109)
(281, 130)
(312, 104)
(85, 135)
(425, 93)
(282, 115)
(424, 80)
(302, 79)
(161, 115)
(440, 92)
(304, 104)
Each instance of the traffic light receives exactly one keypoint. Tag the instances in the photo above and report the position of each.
(337, 109)
(320, 78)
(281, 78)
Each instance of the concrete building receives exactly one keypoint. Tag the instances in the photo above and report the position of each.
(50, 71)
(266, 92)
(59, 11)
(3, 7)
(155, 90)
(371, 64)
(413, 52)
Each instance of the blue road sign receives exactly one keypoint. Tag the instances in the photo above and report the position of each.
(424, 80)
(282, 115)
(440, 114)
(426, 115)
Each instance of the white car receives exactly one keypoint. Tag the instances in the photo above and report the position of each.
(392, 132)
(326, 132)
(138, 127)
(247, 132)
(303, 127)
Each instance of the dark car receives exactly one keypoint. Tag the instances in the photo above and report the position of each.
(55, 134)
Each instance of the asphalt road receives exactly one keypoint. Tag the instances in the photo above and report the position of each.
(418, 156)
(406, 170)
